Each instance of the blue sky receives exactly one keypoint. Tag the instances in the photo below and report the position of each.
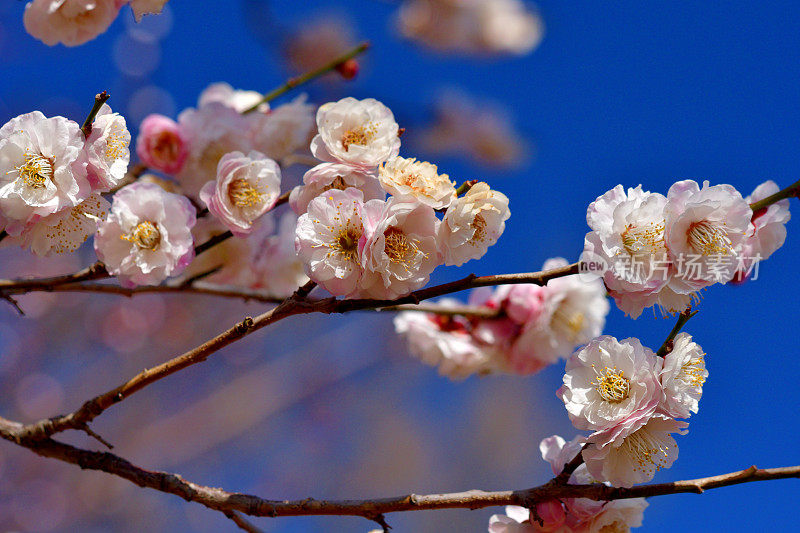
(618, 92)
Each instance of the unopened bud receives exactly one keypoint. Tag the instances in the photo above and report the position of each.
(348, 69)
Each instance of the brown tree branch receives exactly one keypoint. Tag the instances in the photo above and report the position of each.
(372, 509)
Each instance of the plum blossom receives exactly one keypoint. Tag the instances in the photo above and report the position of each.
(108, 150)
(400, 249)
(146, 7)
(633, 458)
(565, 313)
(767, 231)
(275, 265)
(682, 377)
(284, 130)
(705, 229)
(162, 144)
(444, 342)
(246, 187)
(628, 236)
(64, 231)
(328, 239)
(236, 99)
(611, 387)
(69, 22)
(42, 168)
(418, 180)
(356, 132)
(327, 176)
(147, 235)
(472, 223)
(212, 131)
(516, 520)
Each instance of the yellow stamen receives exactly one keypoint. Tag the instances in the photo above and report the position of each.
(243, 194)
(361, 135)
(145, 235)
(611, 384)
(35, 172)
(709, 239)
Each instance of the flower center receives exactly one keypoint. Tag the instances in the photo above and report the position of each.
(116, 146)
(35, 172)
(145, 236)
(647, 452)
(479, 225)
(693, 371)
(243, 194)
(709, 239)
(166, 146)
(399, 248)
(617, 526)
(337, 183)
(361, 135)
(345, 232)
(567, 321)
(644, 240)
(346, 242)
(611, 384)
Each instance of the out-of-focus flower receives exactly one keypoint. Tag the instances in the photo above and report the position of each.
(147, 236)
(69, 22)
(161, 144)
(472, 26)
(275, 265)
(682, 377)
(400, 250)
(628, 235)
(767, 231)
(226, 95)
(246, 187)
(636, 457)
(417, 180)
(327, 176)
(42, 168)
(64, 231)
(356, 132)
(444, 342)
(212, 131)
(284, 130)
(573, 311)
(328, 239)
(319, 41)
(705, 229)
(108, 150)
(516, 520)
(474, 128)
(472, 223)
(146, 7)
(611, 386)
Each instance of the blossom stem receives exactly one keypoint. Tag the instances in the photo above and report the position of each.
(683, 318)
(308, 76)
(465, 187)
(792, 191)
(99, 100)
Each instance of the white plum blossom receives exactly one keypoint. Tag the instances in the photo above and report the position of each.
(328, 239)
(472, 223)
(618, 516)
(211, 132)
(636, 457)
(327, 176)
(284, 130)
(108, 150)
(247, 186)
(226, 95)
(275, 265)
(628, 236)
(705, 229)
(42, 168)
(612, 387)
(767, 230)
(418, 180)
(682, 377)
(515, 520)
(444, 342)
(147, 235)
(69, 22)
(162, 144)
(568, 312)
(400, 250)
(146, 7)
(64, 231)
(356, 132)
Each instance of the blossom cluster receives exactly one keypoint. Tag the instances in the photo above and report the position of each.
(52, 175)
(472, 26)
(354, 242)
(74, 22)
(534, 326)
(661, 250)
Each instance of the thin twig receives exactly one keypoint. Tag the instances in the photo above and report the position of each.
(792, 191)
(240, 521)
(683, 318)
(99, 100)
